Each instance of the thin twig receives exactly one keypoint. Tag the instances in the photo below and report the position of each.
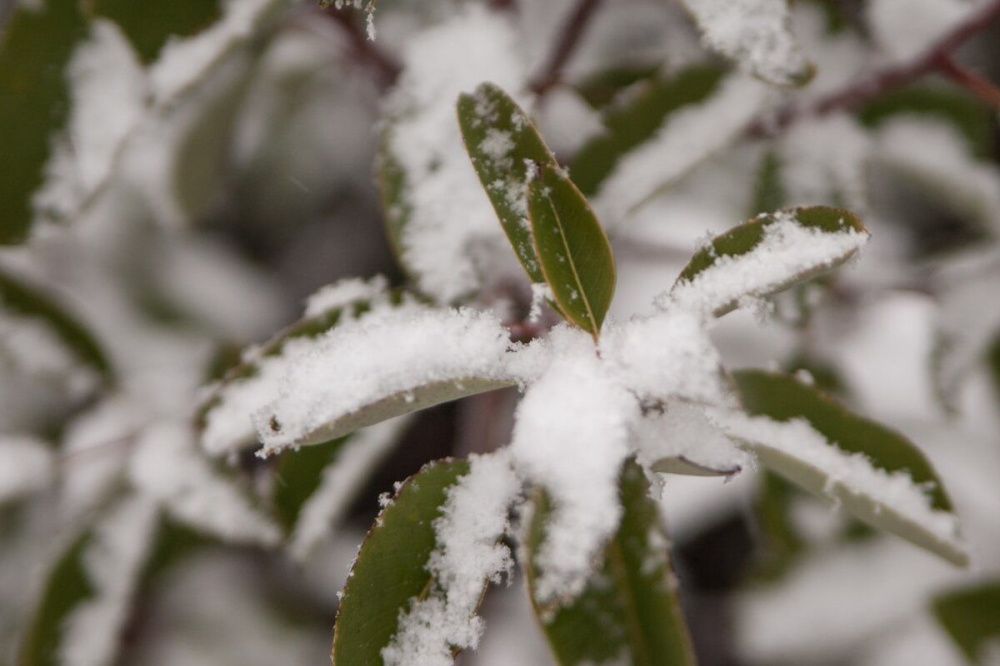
(857, 93)
(978, 85)
(384, 65)
(567, 43)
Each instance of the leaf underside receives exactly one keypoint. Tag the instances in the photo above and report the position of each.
(781, 398)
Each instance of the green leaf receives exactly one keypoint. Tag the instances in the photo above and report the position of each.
(298, 475)
(600, 88)
(506, 150)
(782, 399)
(573, 250)
(150, 25)
(19, 297)
(391, 567)
(35, 47)
(964, 111)
(768, 191)
(396, 207)
(67, 587)
(971, 616)
(758, 258)
(632, 124)
(629, 612)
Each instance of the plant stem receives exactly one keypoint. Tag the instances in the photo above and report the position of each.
(935, 58)
(566, 44)
(978, 85)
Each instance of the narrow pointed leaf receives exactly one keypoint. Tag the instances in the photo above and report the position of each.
(766, 255)
(21, 298)
(391, 567)
(35, 47)
(875, 473)
(638, 119)
(573, 250)
(629, 613)
(506, 150)
(971, 616)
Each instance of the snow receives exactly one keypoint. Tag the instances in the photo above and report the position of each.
(684, 433)
(450, 214)
(903, 29)
(571, 435)
(26, 465)
(935, 157)
(112, 560)
(29, 348)
(107, 99)
(756, 34)
(167, 466)
(401, 352)
(183, 62)
(342, 480)
(823, 162)
(228, 420)
(854, 472)
(468, 555)
(666, 356)
(687, 138)
(343, 293)
(787, 251)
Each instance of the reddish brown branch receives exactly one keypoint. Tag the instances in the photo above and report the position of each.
(856, 94)
(384, 66)
(978, 85)
(568, 41)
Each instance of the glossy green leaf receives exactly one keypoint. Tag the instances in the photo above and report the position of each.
(629, 611)
(634, 122)
(782, 398)
(506, 151)
(573, 250)
(21, 298)
(149, 26)
(714, 279)
(298, 475)
(35, 47)
(391, 567)
(971, 616)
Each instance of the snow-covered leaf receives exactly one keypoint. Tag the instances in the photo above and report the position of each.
(35, 47)
(756, 34)
(682, 139)
(86, 597)
(681, 439)
(388, 362)
(877, 474)
(169, 467)
(507, 152)
(628, 612)
(418, 579)
(21, 298)
(764, 256)
(150, 31)
(441, 223)
(637, 120)
(571, 436)
(225, 417)
(971, 616)
(572, 248)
